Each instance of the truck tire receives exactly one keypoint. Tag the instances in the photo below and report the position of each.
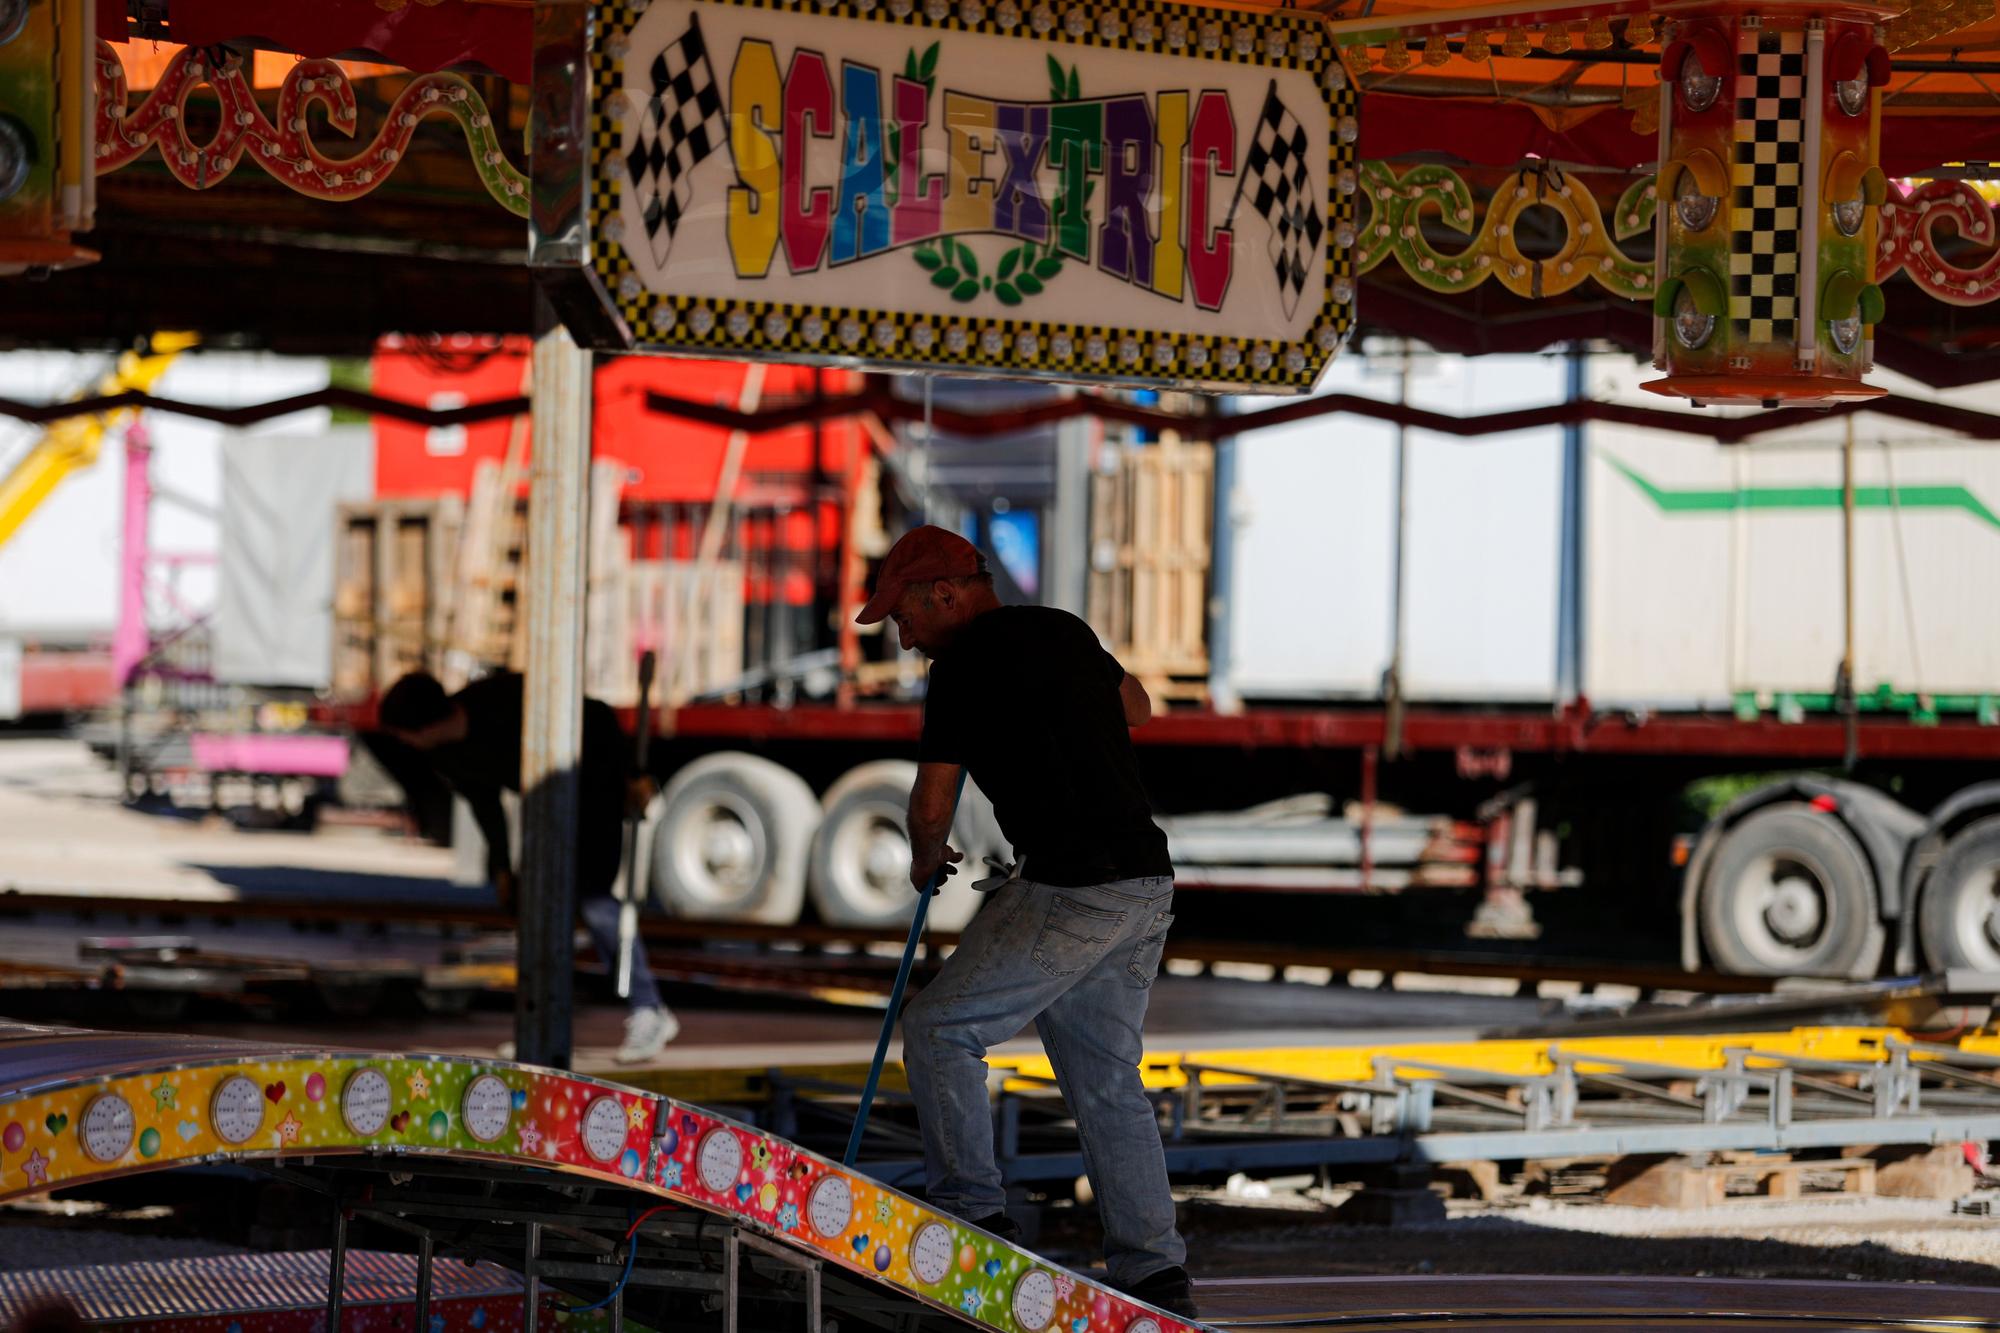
(1790, 894)
(1959, 918)
(860, 870)
(731, 840)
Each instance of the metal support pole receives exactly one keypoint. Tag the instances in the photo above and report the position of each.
(1221, 575)
(336, 1282)
(1392, 679)
(426, 1253)
(1844, 685)
(531, 1269)
(552, 709)
(1368, 763)
(732, 1259)
(1569, 575)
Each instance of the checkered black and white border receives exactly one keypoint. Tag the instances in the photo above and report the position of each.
(1289, 39)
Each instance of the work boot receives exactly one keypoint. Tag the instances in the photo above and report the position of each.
(1169, 1289)
(1001, 1225)
(646, 1031)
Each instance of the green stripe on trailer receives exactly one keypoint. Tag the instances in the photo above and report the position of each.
(1805, 497)
(1923, 709)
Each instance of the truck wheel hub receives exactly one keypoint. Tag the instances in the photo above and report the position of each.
(1794, 912)
(727, 849)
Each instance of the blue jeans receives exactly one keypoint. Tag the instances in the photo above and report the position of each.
(1079, 963)
(600, 918)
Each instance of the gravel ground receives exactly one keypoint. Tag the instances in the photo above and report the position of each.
(37, 1246)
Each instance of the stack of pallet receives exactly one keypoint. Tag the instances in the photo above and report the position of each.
(1150, 517)
(436, 585)
(394, 589)
(485, 629)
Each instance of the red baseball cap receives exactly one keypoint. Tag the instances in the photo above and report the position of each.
(921, 555)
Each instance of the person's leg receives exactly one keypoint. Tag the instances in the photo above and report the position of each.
(1027, 946)
(649, 1024)
(600, 918)
(1094, 1036)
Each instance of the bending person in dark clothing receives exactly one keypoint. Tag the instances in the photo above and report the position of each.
(473, 741)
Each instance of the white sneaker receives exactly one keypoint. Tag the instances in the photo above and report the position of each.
(646, 1031)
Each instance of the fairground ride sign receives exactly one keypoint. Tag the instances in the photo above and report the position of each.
(1149, 194)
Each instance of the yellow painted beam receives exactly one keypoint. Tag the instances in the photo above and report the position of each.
(74, 443)
(1515, 1058)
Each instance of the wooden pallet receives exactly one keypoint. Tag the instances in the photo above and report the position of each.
(393, 586)
(660, 601)
(1681, 1182)
(1147, 597)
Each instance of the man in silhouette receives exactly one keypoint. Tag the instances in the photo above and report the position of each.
(1027, 701)
(472, 739)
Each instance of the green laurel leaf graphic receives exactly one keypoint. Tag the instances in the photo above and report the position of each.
(1028, 283)
(965, 291)
(1075, 87)
(910, 65)
(1056, 81)
(1006, 293)
(966, 260)
(1008, 263)
(927, 258)
(1047, 268)
(944, 277)
(927, 67)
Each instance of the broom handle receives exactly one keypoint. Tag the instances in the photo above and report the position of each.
(896, 992)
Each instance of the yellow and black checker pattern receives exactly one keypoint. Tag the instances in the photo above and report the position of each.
(1767, 183)
(776, 330)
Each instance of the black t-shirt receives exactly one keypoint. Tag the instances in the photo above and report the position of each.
(490, 754)
(1027, 700)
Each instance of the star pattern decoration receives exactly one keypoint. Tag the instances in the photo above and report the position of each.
(636, 1115)
(1065, 1284)
(883, 1212)
(972, 1300)
(288, 1129)
(531, 1136)
(420, 1087)
(163, 1099)
(670, 1175)
(37, 1167)
(788, 1217)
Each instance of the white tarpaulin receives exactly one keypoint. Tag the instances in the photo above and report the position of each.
(274, 614)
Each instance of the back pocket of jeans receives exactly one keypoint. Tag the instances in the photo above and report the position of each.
(1074, 937)
(1145, 964)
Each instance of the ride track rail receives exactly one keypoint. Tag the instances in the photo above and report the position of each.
(837, 957)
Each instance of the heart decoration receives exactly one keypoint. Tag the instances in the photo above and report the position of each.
(861, 1243)
(520, 1099)
(57, 1122)
(743, 1192)
(189, 1129)
(1079, 1324)
(275, 1091)
(400, 1121)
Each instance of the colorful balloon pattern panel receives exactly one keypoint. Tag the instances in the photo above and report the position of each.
(298, 1106)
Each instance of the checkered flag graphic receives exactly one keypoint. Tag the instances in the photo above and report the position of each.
(1767, 178)
(681, 126)
(1278, 182)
